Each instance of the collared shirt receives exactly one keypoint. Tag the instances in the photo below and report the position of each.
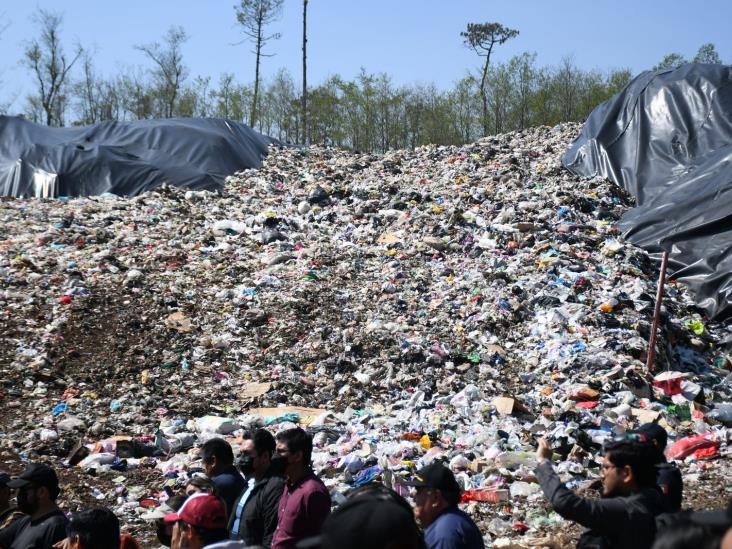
(453, 529)
(240, 506)
(304, 506)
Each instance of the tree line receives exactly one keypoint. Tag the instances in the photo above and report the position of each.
(368, 113)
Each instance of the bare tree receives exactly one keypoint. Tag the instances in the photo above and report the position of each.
(45, 57)
(169, 71)
(482, 38)
(304, 72)
(254, 16)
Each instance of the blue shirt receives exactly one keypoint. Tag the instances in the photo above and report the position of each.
(453, 529)
(240, 507)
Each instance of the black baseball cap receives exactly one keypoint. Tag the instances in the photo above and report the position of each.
(39, 474)
(435, 476)
(4, 479)
(653, 431)
(367, 523)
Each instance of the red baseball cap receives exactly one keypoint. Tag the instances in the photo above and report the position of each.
(202, 510)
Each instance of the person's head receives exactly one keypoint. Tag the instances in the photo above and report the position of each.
(4, 490)
(296, 446)
(200, 485)
(684, 533)
(435, 490)
(628, 466)
(654, 433)
(217, 455)
(163, 530)
(96, 528)
(37, 489)
(200, 521)
(372, 517)
(256, 453)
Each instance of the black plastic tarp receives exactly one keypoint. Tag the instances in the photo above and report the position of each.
(124, 158)
(667, 139)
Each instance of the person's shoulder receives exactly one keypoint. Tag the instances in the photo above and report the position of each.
(53, 518)
(313, 482)
(454, 517)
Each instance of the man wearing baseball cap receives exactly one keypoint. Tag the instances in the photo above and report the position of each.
(44, 524)
(199, 523)
(436, 508)
(668, 476)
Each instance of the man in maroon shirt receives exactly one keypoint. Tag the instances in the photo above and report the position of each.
(305, 502)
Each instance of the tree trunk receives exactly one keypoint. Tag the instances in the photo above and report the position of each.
(253, 116)
(304, 72)
(483, 95)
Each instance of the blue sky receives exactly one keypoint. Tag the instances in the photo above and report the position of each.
(412, 40)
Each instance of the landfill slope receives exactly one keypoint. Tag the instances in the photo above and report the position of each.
(403, 293)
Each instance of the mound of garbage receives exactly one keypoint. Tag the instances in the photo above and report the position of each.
(449, 303)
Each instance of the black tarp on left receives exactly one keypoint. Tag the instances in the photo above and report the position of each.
(667, 139)
(124, 158)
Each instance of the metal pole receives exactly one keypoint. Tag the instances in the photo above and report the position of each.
(656, 313)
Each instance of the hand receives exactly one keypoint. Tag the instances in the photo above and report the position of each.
(544, 451)
(63, 544)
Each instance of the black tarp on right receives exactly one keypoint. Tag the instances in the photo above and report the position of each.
(667, 139)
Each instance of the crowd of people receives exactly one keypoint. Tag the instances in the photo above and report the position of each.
(271, 498)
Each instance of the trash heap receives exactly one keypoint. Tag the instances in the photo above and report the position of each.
(450, 303)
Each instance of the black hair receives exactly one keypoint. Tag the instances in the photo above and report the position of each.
(204, 484)
(207, 535)
(218, 448)
(451, 497)
(264, 442)
(642, 458)
(297, 440)
(376, 490)
(350, 523)
(683, 533)
(97, 528)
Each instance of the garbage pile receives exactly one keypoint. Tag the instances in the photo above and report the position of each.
(449, 303)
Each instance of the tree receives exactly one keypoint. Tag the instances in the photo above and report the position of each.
(254, 16)
(46, 59)
(671, 61)
(304, 72)
(96, 98)
(707, 53)
(169, 72)
(482, 38)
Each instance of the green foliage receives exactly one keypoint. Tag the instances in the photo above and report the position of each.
(707, 53)
(671, 61)
(366, 113)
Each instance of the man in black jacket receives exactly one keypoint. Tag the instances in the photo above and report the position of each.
(668, 475)
(625, 517)
(254, 517)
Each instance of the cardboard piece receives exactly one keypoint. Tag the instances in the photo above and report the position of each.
(645, 416)
(178, 322)
(254, 390)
